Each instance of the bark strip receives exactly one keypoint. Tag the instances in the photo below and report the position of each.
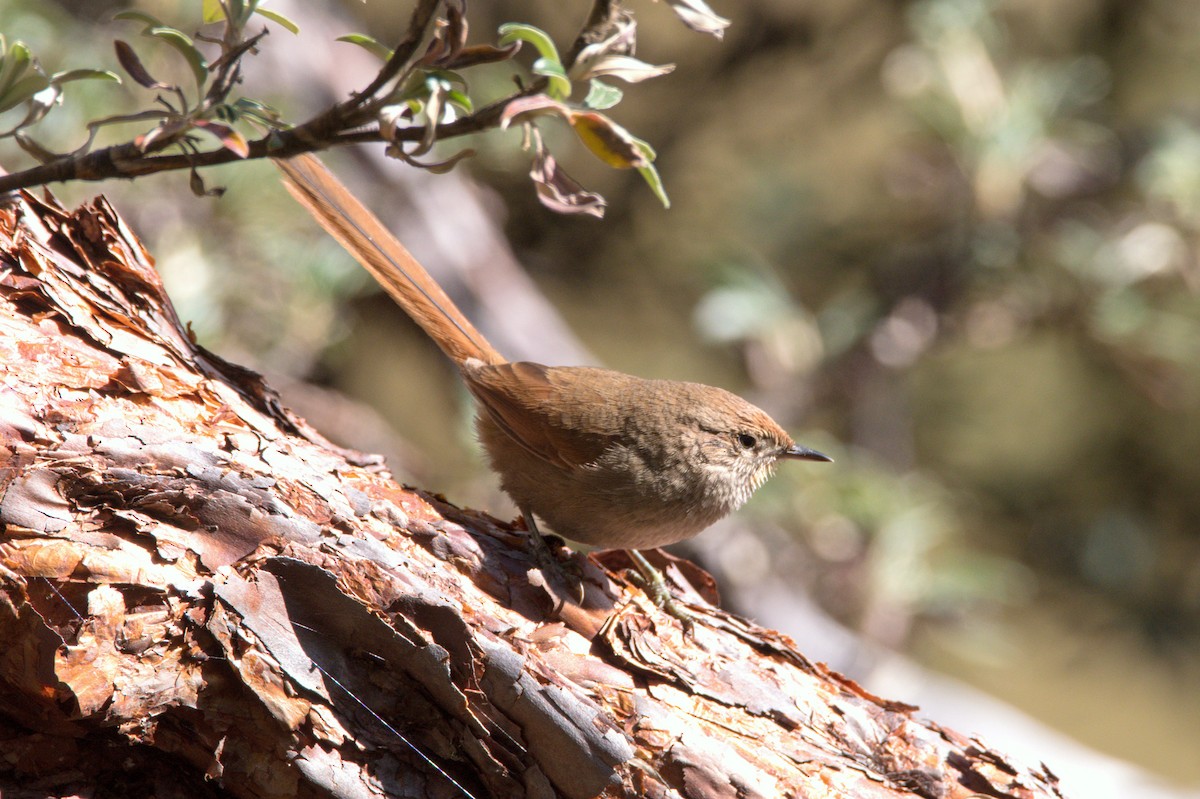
(200, 596)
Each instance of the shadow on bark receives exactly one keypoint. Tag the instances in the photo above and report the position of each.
(201, 596)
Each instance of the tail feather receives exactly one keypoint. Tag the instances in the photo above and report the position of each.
(362, 234)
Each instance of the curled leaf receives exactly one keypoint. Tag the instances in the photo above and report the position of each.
(96, 124)
(512, 32)
(560, 85)
(626, 68)
(549, 64)
(699, 17)
(392, 118)
(230, 139)
(257, 111)
(558, 191)
(460, 100)
(278, 19)
(149, 20)
(145, 141)
(436, 167)
(433, 114)
(455, 32)
(368, 43)
(39, 153)
(60, 78)
(185, 47)
(534, 105)
(196, 183)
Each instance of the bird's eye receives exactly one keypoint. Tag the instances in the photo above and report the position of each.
(746, 440)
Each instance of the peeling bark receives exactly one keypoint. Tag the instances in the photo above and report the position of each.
(200, 596)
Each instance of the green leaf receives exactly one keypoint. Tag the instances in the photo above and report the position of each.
(650, 175)
(519, 32)
(140, 16)
(84, 74)
(449, 76)
(550, 64)
(186, 48)
(560, 85)
(13, 66)
(259, 112)
(278, 19)
(19, 54)
(368, 43)
(644, 147)
(212, 11)
(460, 99)
(22, 91)
(601, 96)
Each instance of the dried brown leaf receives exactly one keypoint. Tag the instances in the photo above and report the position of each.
(560, 192)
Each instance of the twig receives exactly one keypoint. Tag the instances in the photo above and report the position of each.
(348, 122)
(420, 31)
(127, 161)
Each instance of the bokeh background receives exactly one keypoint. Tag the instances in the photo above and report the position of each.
(953, 243)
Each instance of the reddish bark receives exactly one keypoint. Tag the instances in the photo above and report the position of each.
(199, 595)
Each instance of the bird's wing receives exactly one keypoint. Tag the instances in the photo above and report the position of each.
(549, 411)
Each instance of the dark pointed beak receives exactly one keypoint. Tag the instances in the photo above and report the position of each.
(805, 454)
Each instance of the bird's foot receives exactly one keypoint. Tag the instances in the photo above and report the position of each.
(654, 583)
(549, 563)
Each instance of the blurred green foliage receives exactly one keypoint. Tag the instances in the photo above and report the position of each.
(954, 243)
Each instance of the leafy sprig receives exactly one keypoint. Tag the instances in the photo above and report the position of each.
(420, 97)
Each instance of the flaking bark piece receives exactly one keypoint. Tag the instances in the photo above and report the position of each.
(201, 596)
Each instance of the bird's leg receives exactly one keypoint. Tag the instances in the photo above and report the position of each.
(541, 549)
(654, 583)
(545, 556)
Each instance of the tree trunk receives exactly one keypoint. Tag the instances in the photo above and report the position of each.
(200, 596)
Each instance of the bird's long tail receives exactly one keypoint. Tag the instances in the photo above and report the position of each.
(362, 234)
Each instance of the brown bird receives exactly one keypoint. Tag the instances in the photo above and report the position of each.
(602, 457)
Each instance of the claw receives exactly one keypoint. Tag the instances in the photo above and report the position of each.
(654, 583)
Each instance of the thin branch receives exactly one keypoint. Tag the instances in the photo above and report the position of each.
(229, 71)
(128, 161)
(350, 121)
(420, 30)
